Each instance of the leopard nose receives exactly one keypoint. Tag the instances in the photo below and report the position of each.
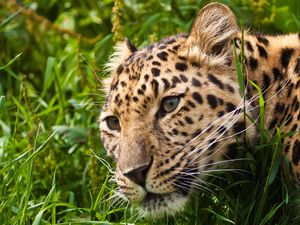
(138, 175)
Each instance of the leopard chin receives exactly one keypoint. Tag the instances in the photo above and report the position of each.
(157, 205)
(160, 205)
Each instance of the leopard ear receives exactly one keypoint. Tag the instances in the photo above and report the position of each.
(211, 33)
(122, 51)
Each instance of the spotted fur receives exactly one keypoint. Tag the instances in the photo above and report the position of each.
(160, 155)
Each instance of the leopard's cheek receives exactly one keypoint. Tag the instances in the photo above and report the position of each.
(131, 191)
(109, 139)
(161, 176)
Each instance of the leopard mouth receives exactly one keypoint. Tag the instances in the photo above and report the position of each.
(162, 204)
(159, 205)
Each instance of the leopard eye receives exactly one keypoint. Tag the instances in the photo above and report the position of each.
(113, 123)
(169, 104)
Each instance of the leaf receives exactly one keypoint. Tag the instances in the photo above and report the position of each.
(72, 135)
(219, 217)
(276, 159)
(148, 23)
(239, 71)
(10, 18)
(38, 217)
(48, 72)
(11, 61)
(270, 214)
(261, 105)
(285, 20)
(2, 103)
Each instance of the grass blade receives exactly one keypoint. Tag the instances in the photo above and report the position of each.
(11, 61)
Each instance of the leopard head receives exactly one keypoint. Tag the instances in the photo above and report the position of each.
(170, 110)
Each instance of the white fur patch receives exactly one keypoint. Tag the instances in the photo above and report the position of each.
(120, 54)
(171, 204)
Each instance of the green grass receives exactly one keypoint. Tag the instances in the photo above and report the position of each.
(53, 168)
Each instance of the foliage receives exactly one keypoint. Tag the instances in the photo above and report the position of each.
(53, 167)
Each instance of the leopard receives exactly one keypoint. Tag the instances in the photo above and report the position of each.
(176, 109)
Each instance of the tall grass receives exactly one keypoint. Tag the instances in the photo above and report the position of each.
(53, 168)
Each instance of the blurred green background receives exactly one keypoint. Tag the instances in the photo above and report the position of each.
(52, 55)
